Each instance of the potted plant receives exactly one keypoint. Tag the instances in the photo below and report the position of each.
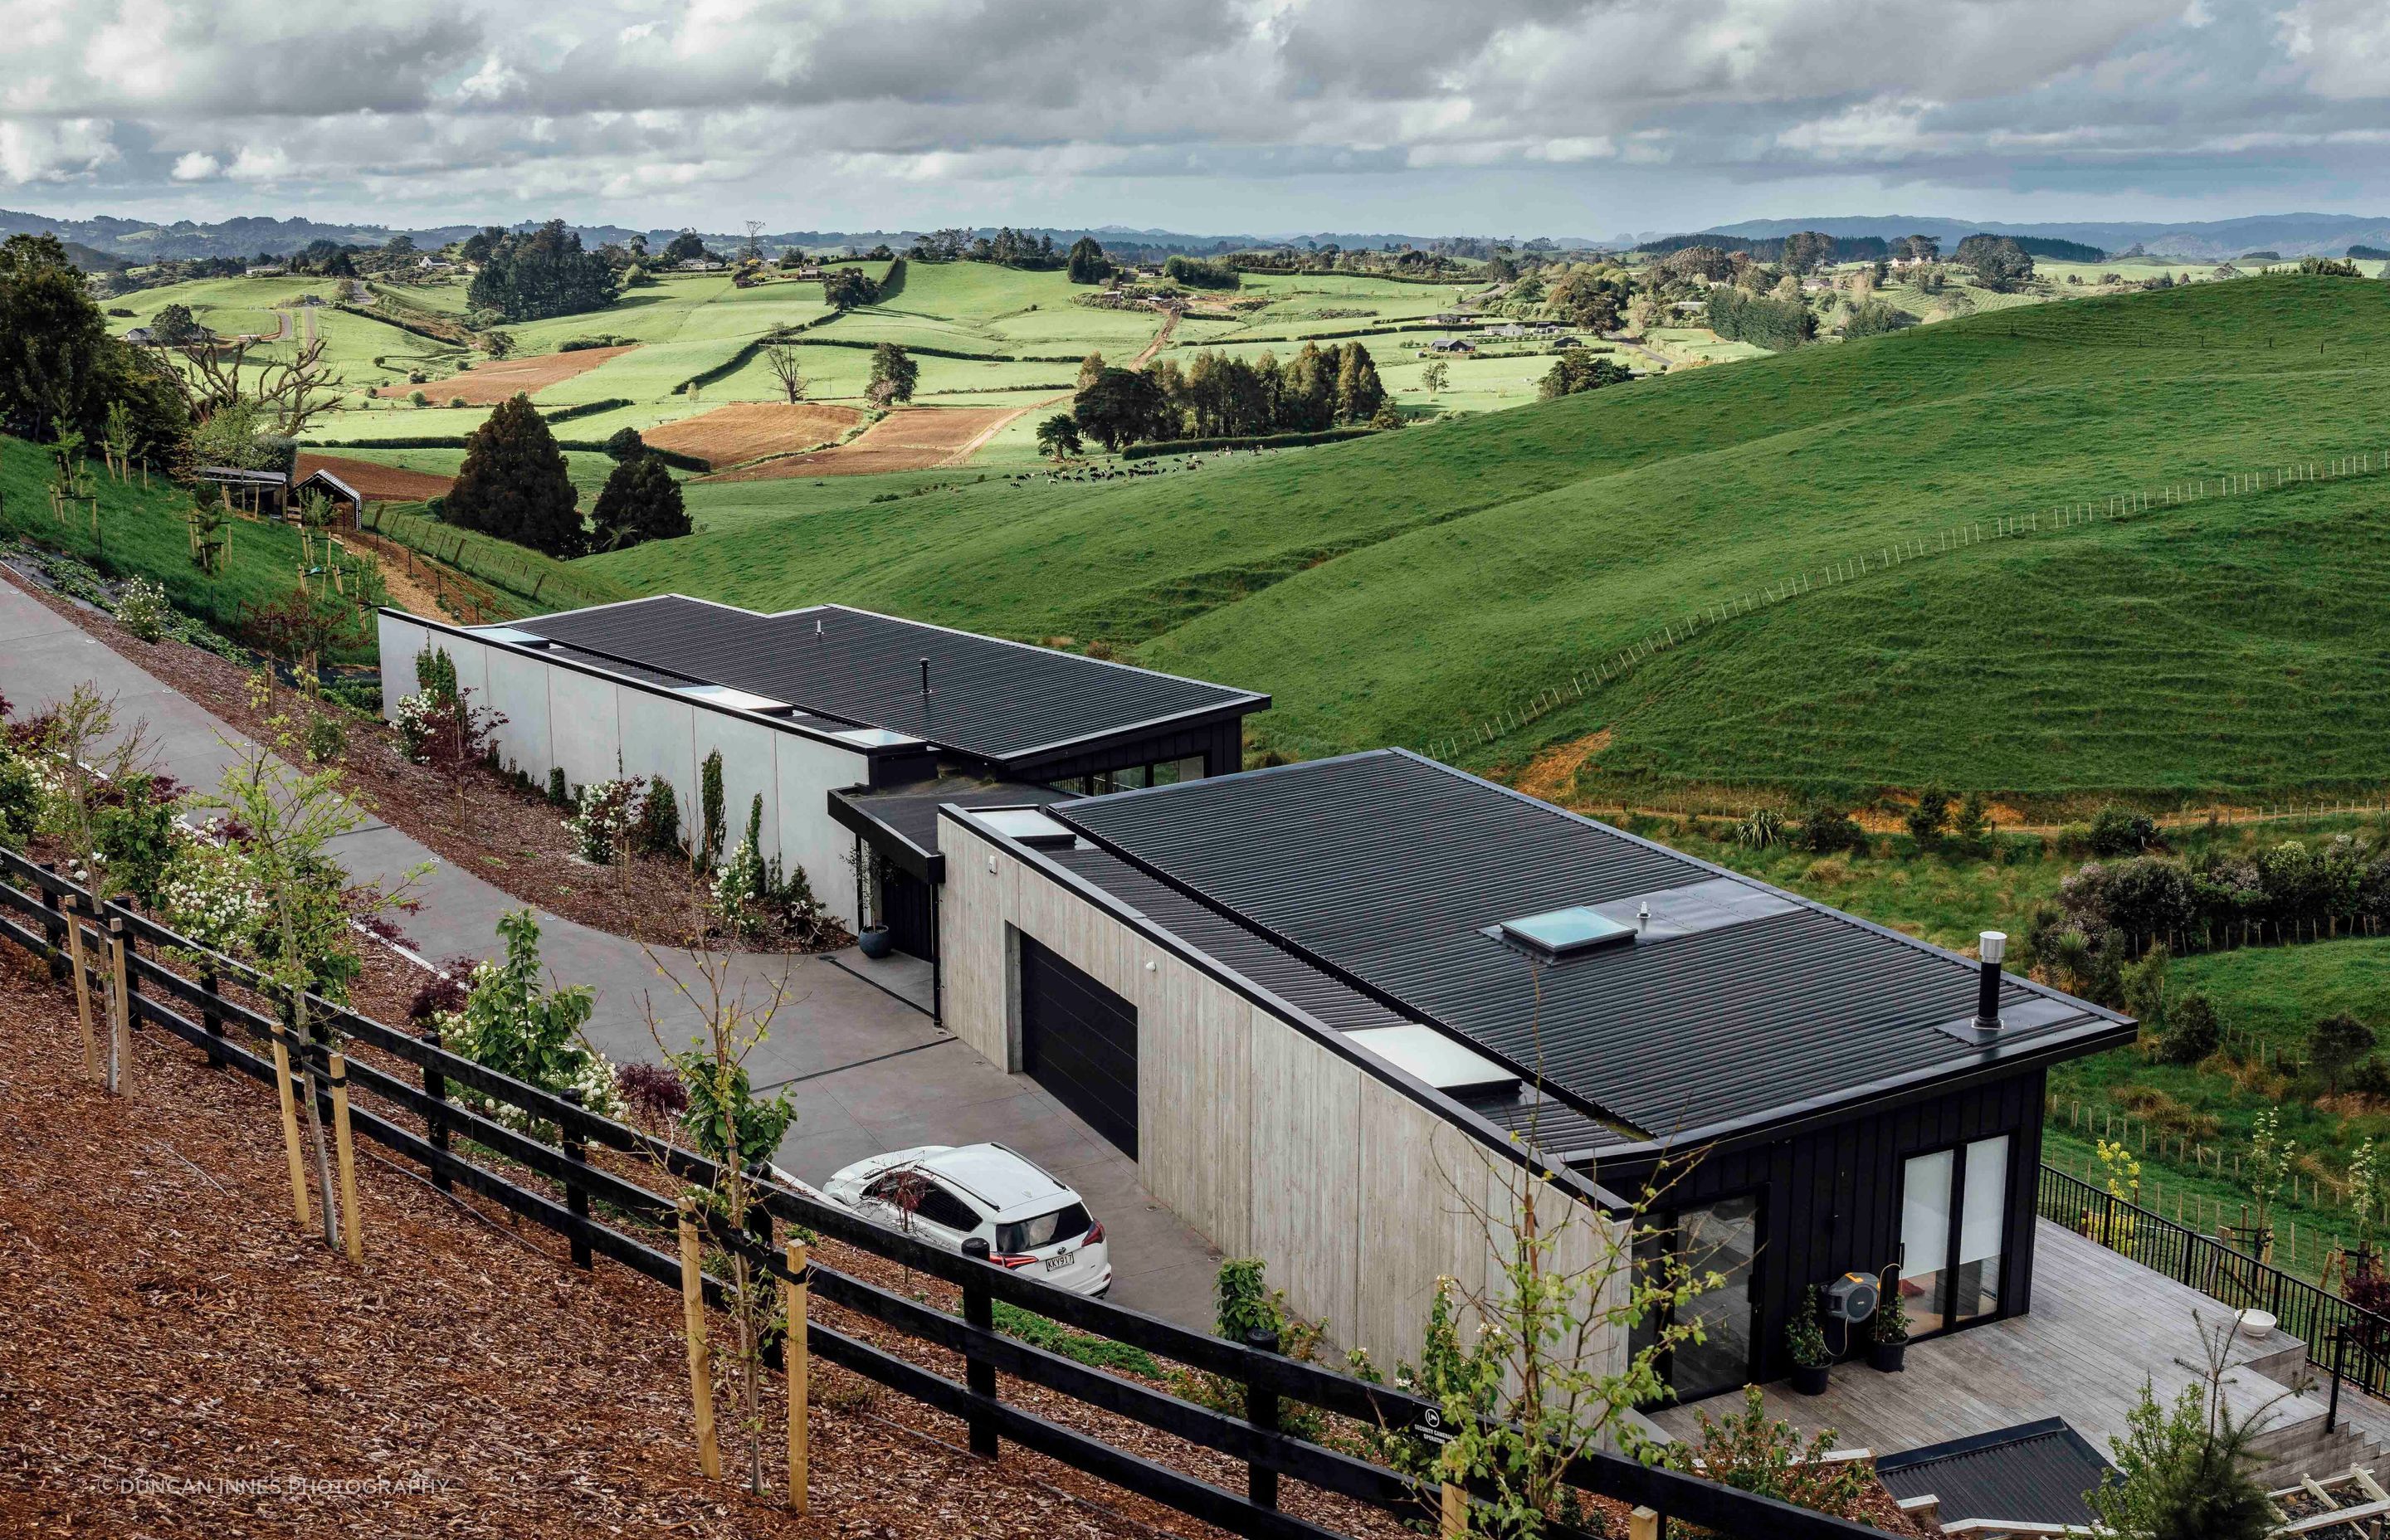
(1805, 1340)
(875, 942)
(1888, 1333)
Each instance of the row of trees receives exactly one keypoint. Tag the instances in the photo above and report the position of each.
(540, 273)
(1217, 395)
(1740, 315)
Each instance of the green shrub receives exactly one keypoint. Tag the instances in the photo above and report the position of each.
(143, 610)
(1826, 828)
(558, 795)
(659, 832)
(1972, 823)
(327, 735)
(2193, 1030)
(2120, 831)
(1099, 1352)
(1929, 816)
(710, 830)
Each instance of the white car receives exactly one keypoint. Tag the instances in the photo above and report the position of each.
(947, 1194)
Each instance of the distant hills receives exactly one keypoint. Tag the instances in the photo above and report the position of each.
(2291, 235)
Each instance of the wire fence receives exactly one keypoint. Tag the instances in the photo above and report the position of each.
(2057, 518)
(540, 581)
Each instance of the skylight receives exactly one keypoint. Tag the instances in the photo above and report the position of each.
(737, 701)
(1428, 1055)
(1027, 825)
(1565, 932)
(874, 737)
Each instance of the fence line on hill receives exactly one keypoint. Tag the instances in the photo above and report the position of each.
(40, 911)
(2056, 517)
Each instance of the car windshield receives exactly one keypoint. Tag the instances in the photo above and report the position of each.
(1047, 1229)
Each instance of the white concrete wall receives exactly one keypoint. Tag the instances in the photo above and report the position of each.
(598, 728)
(1357, 1196)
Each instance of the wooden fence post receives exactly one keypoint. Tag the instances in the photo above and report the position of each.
(576, 1196)
(701, 1357)
(120, 1013)
(210, 1018)
(346, 1149)
(1453, 1520)
(281, 1033)
(1643, 1525)
(794, 1297)
(979, 1310)
(91, 1069)
(435, 1126)
(1262, 1411)
(54, 927)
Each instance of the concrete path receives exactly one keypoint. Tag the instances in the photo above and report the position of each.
(867, 1069)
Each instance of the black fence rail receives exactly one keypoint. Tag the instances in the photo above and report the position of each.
(37, 906)
(2222, 1271)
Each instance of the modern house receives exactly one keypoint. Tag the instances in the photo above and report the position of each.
(806, 703)
(1310, 1000)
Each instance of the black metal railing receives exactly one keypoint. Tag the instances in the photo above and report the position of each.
(2225, 1271)
(34, 901)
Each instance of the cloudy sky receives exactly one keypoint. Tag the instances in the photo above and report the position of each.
(1558, 117)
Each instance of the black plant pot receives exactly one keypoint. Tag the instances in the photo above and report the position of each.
(876, 942)
(1888, 1357)
(1811, 1381)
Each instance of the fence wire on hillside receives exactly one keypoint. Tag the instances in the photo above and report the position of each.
(2055, 519)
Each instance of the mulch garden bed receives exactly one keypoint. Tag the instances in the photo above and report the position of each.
(181, 1360)
(515, 841)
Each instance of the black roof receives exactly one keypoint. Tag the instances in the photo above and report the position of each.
(2036, 1473)
(999, 700)
(1742, 1005)
(902, 821)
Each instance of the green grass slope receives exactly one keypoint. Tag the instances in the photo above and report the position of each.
(1407, 587)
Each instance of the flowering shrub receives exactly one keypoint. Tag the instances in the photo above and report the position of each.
(751, 896)
(143, 610)
(653, 1093)
(514, 1026)
(208, 894)
(605, 820)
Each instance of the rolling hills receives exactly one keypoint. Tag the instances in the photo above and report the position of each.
(1411, 587)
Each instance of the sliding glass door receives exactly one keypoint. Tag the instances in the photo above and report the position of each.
(1953, 1220)
(1722, 1237)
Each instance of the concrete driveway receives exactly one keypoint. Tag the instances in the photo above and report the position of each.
(867, 1067)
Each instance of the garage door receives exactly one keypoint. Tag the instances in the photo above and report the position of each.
(1078, 1040)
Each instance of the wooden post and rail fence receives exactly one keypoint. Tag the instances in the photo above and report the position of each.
(414, 1109)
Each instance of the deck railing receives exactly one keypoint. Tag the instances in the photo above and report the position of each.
(2222, 1271)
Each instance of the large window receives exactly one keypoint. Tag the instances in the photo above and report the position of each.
(1953, 1218)
(1723, 1237)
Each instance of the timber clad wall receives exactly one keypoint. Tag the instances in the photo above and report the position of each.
(1831, 1202)
(1263, 1139)
(595, 728)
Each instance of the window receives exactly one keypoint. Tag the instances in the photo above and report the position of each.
(1047, 1229)
(907, 1189)
(1953, 1224)
(1721, 1236)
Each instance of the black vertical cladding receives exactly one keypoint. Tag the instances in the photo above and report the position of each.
(1830, 1196)
(904, 905)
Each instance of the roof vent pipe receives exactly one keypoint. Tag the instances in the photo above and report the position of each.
(1994, 946)
(1642, 916)
(925, 676)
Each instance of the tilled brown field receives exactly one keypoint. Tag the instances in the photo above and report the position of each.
(377, 483)
(488, 384)
(911, 437)
(730, 434)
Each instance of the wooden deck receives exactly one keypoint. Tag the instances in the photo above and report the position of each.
(2100, 1325)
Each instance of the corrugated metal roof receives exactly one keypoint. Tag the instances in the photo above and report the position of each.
(1555, 1126)
(2034, 1473)
(1387, 869)
(911, 811)
(995, 699)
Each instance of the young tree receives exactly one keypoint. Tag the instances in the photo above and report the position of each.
(2187, 1472)
(894, 374)
(787, 364)
(1433, 375)
(1970, 826)
(1929, 816)
(738, 1132)
(514, 483)
(1058, 437)
(641, 502)
(442, 728)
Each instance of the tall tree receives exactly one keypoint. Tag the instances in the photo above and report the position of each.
(58, 364)
(1088, 262)
(541, 272)
(894, 374)
(1997, 261)
(1806, 251)
(514, 484)
(1119, 407)
(641, 502)
(788, 365)
(845, 287)
(1358, 391)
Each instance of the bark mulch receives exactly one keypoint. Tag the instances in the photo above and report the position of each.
(179, 1360)
(515, 841)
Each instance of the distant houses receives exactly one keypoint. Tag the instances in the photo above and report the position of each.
(1452, 345)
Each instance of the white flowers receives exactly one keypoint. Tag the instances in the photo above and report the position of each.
(605, 816)
(209, 896)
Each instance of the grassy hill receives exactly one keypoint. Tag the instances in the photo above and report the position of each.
(1410, 588)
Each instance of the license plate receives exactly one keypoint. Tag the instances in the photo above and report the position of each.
(1061, 1260)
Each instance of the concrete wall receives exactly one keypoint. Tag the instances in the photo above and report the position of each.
(598, 728)
(1256, 1133)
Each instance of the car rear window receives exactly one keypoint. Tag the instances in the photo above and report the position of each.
(1028, 1235)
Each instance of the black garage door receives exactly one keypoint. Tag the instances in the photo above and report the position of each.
(1078, 1040)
